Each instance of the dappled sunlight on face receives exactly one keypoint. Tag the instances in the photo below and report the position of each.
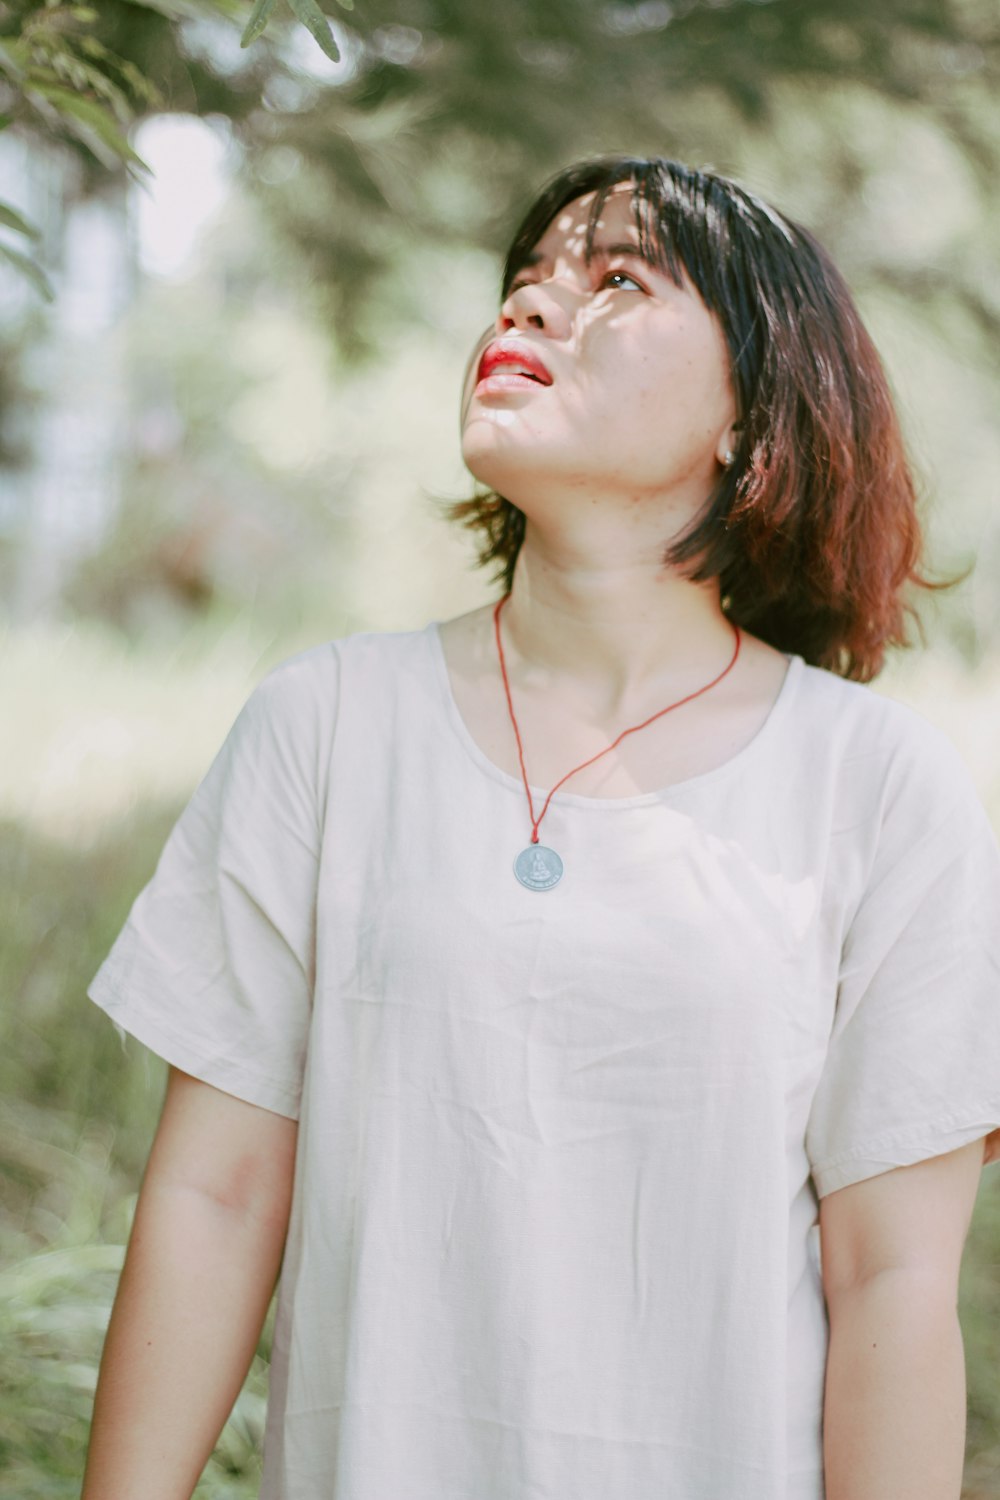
(640, 395)
(571, 227)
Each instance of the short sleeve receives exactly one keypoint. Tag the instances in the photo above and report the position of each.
(913, 1064)
(215, 965)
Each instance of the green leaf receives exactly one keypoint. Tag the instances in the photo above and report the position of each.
(29, 270)
(11, 219)
(10, 61)
(191, 10)
(346, 4)
(259, 17)
(313, 19)
(91, 123)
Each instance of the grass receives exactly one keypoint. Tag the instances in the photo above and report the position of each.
(74, 1134)
(110, 740)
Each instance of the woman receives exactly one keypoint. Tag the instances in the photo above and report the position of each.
(551, 1095)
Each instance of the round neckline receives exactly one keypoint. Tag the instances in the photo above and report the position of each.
(777, 711)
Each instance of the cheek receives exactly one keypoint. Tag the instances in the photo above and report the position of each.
(678, 381)
(656, 399)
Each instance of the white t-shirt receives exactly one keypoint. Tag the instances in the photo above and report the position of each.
(555, 1225)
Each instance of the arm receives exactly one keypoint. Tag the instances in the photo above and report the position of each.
(202, 1261)
(895, 1399)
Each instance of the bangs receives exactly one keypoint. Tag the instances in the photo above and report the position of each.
(687, 221)
(649, 212)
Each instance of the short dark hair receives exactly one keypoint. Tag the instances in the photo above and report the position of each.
(813, 532)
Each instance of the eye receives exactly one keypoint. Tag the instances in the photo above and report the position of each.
(618, 277)
(611, 276)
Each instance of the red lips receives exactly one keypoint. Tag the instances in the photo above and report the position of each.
(515, 352)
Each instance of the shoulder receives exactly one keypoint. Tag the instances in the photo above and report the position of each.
(306, 672)
(285, 733)
(305, 696)
(867, 723)
(866, 738)
(317, 671)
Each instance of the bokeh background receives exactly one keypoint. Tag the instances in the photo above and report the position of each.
(238, 286)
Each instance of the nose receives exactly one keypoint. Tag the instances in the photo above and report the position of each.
(534, 305)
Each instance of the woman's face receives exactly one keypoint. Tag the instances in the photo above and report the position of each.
(640, 401)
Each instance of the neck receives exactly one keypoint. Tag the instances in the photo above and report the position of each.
(614, 628)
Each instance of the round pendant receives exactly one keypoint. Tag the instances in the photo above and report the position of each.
(538, 868)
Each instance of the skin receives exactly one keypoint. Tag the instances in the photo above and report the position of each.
(608, 464)
(201, 1265)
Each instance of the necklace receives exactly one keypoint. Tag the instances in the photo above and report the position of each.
(538, 867)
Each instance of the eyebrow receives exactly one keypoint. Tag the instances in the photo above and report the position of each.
(626, 248)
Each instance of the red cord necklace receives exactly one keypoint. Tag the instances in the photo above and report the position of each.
(538, 867)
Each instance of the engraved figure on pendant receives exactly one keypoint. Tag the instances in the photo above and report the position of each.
(538, 868)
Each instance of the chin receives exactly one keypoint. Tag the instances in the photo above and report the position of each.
(488, 454)
(507, 479)
(495, 430)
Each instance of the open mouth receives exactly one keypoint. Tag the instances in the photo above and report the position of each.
(512, 377)
(512, 365)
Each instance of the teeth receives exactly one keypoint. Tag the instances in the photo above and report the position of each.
(508, 367)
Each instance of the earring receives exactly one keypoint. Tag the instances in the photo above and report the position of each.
(729, 459)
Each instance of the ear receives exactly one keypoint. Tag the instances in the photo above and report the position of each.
(728, 445)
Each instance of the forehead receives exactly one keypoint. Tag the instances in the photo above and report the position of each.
(574, 227)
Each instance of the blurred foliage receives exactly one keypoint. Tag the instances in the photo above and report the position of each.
(439, 117)
(207, 520)
(877, 126)
(261, 471)
(307, 11)
(444, 118)
(60, 82)
(71, 1153)
(76, 77)
(20, 398)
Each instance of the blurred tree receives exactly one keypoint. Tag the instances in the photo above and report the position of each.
(208, 524)
(60, 82)
(437, 119)
(75, 78)
(444, 115)
(437, 112)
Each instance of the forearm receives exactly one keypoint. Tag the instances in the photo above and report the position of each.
(895, 1402)
(191, 1302)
